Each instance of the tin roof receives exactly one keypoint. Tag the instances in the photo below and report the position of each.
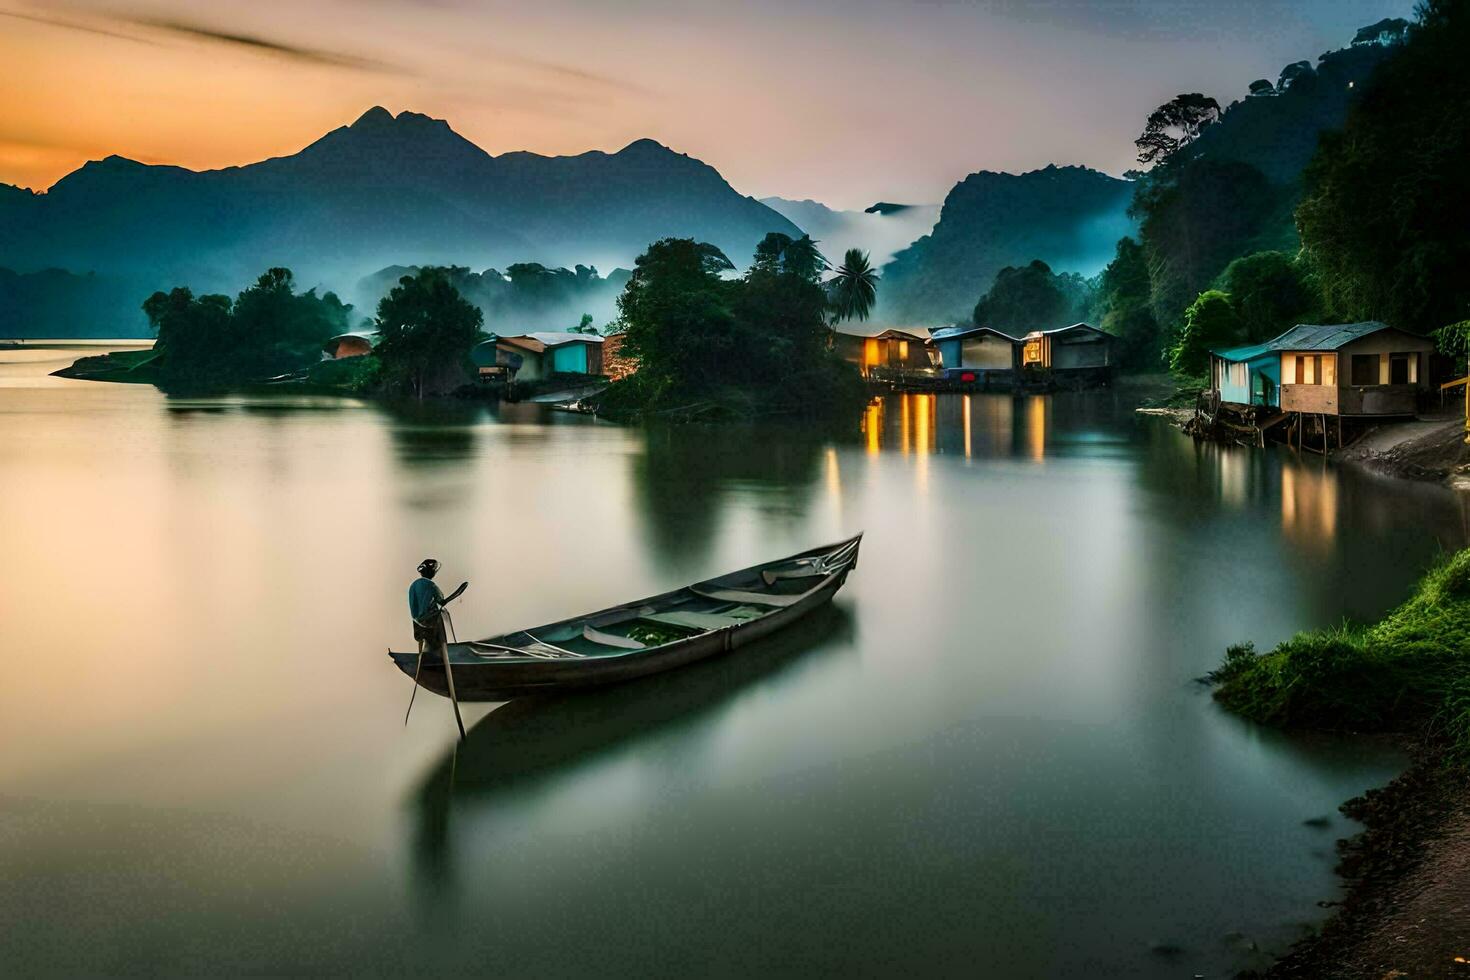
(877, 332)
(553, 339)
(1314, 336)
(956, 332)
(1238, 354)
(1068, 329)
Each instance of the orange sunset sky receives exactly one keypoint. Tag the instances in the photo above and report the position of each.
(846, 102)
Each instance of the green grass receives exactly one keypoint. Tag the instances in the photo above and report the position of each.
(1408, 673)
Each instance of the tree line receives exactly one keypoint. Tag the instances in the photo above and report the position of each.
(1225, 255)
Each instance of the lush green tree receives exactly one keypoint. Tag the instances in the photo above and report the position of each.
(268, 330)
(676, 309)
(1193, 220)
(1032, 297)
(1210, 322)
(854, 289)
(797, 256)
(729, 346)
(1383, 219)
(803, 260)
(427, 330)
(1124, 311)
(1271, 292)
(1174, 125)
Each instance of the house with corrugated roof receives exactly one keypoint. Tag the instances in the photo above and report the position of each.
(883, 351)
(981, 355)
(1366, 369)
(1080, 349)
(1246, 375)
(534, 356)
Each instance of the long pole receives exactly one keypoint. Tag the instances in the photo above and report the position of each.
(449, 673)
(418, 667)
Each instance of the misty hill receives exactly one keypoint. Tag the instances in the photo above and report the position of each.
(56, 303)
(881, 230)
(1275, 128)
(526, 297)
(384, 190)
(1069, 217)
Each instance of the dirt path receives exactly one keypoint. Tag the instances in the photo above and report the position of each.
(1427, 449)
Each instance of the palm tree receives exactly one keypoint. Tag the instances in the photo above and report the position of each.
(854, 289)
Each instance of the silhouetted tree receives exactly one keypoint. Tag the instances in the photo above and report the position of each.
(1383, 219)
(1174, 125)
(854, 290)
(1270, 292)
(1123, 307)
(1032, 297)
(427, 330)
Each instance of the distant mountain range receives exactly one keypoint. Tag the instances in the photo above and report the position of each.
(386, 189)
(881, 230)
(1069, 217)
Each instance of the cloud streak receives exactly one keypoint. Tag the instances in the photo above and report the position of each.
(136, 28)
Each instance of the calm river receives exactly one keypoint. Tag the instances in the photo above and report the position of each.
(989, 757)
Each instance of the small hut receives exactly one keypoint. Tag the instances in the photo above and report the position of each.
(534, 356)
(980, 355)
(884, 351)
(1080, 349)
(1246, 375)
(350, 344)
(1364, 369)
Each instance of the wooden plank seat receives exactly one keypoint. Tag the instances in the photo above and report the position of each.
(748, 598)
(611, 639)
(706, 621)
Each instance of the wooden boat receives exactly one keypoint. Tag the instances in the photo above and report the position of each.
(640, 638)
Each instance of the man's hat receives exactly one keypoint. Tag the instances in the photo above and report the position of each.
(428, 566)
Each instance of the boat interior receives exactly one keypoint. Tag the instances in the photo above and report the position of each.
(729, 600)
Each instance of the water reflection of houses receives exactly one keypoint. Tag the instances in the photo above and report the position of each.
(976, 426)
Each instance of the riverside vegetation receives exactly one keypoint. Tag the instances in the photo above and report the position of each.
(707, 347)
(1408, 673)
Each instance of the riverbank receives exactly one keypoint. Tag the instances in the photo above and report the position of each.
(1430, 449)
(1407, 910)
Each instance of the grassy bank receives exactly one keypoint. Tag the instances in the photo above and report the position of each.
(124, 366)
(1408, 673)
(1403, 913)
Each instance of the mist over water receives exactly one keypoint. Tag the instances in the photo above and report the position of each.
(990, 750)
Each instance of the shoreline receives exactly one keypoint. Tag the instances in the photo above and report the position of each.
(1425, 450)
(1406, 907)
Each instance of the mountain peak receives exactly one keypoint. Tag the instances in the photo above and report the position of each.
(646, 146)
(374, 118)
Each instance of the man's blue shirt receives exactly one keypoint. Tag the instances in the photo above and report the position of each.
(422, 595)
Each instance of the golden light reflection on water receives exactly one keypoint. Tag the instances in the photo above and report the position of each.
(967, 427)
(873, 425)
(1037, 409)
(1309, 506)
(987, 425)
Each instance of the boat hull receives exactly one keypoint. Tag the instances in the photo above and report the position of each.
(492, 680)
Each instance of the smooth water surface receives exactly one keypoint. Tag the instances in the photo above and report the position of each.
(988, 757)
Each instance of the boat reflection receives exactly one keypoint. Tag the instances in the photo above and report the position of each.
(529, 740)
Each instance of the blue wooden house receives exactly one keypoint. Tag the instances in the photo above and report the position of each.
(977, 354)
(1247, 375)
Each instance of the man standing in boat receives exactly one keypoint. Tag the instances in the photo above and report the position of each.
(426, 606)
